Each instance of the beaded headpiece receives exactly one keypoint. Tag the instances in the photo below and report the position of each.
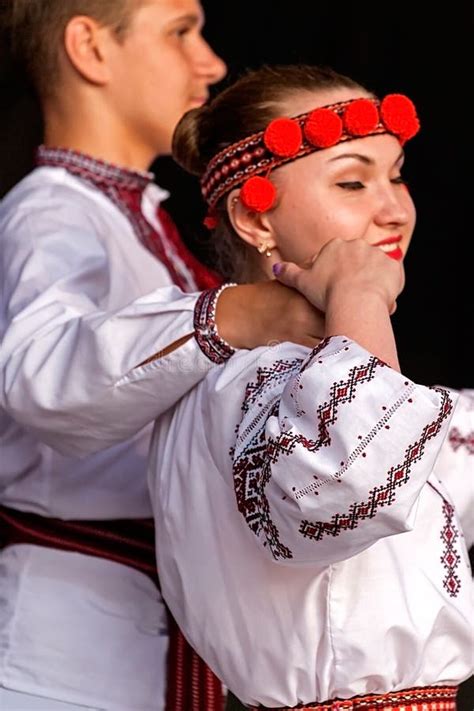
(249, 161)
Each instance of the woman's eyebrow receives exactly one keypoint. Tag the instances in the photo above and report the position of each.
(357, 156)
(366, 160)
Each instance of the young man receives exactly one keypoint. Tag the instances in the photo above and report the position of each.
(99, 338)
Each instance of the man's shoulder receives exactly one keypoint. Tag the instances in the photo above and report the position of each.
(46, 189)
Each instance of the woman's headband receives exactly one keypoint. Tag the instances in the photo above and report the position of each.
(286, 139)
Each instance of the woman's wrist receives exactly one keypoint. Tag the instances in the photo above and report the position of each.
(365, 318)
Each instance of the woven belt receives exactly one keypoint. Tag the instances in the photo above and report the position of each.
(190, 683)
(433, 698)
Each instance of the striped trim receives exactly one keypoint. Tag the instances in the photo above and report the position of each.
(434, 698)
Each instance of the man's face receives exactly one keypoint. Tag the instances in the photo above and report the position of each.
(161, 69)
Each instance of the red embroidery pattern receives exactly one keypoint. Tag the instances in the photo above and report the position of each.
(359, 450)
(434, 698)
(341, 393)
(457, 440)
(125, 189)
(267, 379)
(252, 472)
(450, 558)
(252, 466)
(381, 495)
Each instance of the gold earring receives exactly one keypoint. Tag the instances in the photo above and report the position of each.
(264, 248)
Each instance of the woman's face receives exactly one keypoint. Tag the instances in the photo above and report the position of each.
(353, 190)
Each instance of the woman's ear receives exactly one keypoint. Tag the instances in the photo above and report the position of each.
(85, 47)
(255, 228)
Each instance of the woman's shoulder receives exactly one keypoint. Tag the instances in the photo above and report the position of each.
(275, 363)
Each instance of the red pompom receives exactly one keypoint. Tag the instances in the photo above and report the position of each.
(283, 137)
(210, 221)
(258, 194)
(360, 117)
(399, 116)
(323, 128)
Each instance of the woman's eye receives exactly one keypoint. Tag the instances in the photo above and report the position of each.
(351, 185)
(399, 180)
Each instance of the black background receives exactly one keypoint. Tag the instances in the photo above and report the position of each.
(418, 49)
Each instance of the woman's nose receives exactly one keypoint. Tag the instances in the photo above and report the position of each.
(395, 206)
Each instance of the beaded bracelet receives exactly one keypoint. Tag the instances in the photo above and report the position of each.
(205, 329)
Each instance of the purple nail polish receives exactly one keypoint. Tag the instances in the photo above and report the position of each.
(277, 268)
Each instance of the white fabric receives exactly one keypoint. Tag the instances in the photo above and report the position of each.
(14, 701)
(282, 618)
(83, 303)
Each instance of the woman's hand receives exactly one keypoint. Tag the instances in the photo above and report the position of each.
(348, 266)
(356, 286)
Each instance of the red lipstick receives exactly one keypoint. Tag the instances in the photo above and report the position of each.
(395, 254)
(389, 240)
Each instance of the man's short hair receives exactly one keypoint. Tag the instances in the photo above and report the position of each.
(36, 30)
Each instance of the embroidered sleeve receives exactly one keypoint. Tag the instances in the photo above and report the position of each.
(335, 458)
(205, 329)
(455, 464)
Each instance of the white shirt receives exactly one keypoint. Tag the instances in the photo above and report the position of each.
(83, 304)
(309, 546)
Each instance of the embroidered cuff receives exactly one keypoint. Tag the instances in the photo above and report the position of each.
(205, 329)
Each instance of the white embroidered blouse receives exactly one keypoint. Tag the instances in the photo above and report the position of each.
(310, 510)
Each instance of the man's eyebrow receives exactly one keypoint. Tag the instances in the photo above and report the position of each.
(192, 18)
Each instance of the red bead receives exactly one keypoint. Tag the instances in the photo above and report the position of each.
(234, 163)
(283, 137)
(258, 194)
(398, 115)
(225, 169)
(211, 222)
(323, 128)
(361, 117)
(246, 158)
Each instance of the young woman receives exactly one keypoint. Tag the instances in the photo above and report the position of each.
(310, 522)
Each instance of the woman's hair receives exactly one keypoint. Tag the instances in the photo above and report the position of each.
(36, 29)
(244, 108)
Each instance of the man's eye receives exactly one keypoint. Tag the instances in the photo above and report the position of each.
(181, 31)
(351, 185)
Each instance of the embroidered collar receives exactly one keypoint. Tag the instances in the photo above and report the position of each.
(92, 169)
(125, 189)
